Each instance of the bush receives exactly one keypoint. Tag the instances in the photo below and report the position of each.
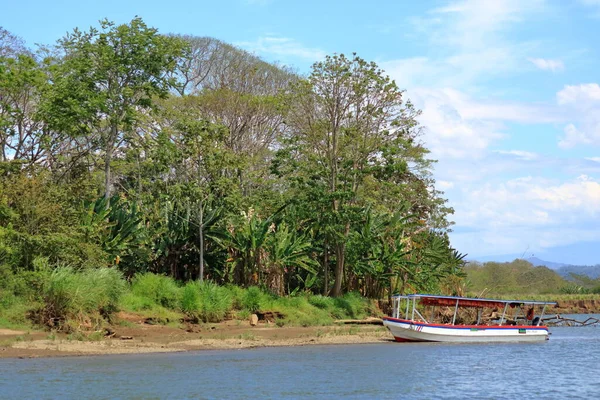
(299, 311)
(190, 299)
(351, 305)
(237, 296)
(253, 299)
(322, 302)
(205, 301)
(160, 289)
(70, 295)
(215, 302)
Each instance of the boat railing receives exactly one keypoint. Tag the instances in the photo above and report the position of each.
(405, 307)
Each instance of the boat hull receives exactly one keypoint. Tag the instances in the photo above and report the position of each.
(412, 331)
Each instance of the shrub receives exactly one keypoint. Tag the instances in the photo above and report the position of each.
(160, 289)
(237, 296)
(205, 301)
(322, 302)
(71, 295)
(215, 302)
(253, 299)
(351, 305)
(190, 299)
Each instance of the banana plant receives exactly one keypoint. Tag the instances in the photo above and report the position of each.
(115, 224)
(287, 252)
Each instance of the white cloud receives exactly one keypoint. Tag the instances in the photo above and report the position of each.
(573, 137)
(449, 134)
(583, 105)
(521, 155)
(586, 95)
(458, 126)
(444, 185)
(528, 211)
(467, 44)
(282, 47)
(475, 24)
(472, 37)
(547, 64)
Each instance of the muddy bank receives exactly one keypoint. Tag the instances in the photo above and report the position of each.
(575, 307)
(133, 335)
(143, 338)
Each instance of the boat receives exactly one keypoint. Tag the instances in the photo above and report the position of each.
(490, 320)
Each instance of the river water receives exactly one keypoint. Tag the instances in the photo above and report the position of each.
(566, 366)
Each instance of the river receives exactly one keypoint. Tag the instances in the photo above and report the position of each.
(566, 366)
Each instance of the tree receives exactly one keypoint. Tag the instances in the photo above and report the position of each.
(11, 45)
(22, 81)
(106, 79)
(352, 141)
(238, 90)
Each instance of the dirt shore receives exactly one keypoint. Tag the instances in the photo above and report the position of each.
(138, 337)
(133, 335)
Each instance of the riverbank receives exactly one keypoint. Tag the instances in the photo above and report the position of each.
(135, 334)
(140, 337)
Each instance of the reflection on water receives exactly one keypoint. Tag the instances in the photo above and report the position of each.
(566, 366)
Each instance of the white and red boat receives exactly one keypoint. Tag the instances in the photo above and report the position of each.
(495, 320)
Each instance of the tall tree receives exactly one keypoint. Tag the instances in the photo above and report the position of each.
(353, 140)
(21, 82)
(106, 79)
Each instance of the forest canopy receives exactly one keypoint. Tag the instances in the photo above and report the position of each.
(125, 148)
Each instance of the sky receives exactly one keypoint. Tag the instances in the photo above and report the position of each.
(509, 92)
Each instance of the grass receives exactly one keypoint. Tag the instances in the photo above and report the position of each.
(72, 295)
(16, 318)
(206, 301)
(156, 289)
(86, 300)
(254, 299)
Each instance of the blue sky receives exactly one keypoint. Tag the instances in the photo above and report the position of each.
(509, 91)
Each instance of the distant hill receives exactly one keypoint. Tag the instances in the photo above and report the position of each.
(550, 264)
(565, 270)
(592, 271)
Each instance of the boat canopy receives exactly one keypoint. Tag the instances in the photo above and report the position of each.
(455, 301)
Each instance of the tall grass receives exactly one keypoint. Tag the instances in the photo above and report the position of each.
(254, 299)
(206, 301)
(156, 289)
(89, 297)
(71, 295)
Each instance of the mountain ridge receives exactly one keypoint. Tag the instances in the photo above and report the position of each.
(563, 269)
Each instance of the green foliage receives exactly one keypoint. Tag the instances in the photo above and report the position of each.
(156, 289)
(237, 295)
(352, 305)
(250, 176)
(205, 301)
(215, 302)
(516, 277)
(72, 295)
(322, 302)
(190, 299)
(254, 299)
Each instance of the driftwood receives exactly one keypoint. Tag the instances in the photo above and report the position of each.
(368, 321)
(558, 320)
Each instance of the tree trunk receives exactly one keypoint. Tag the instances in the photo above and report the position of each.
(110, 146)
(326, 270)
(201, 235)
(340, 251)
